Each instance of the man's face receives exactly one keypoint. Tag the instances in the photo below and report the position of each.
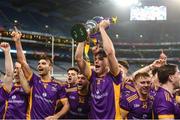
(143, 85)
(82, 82)
(44, 67)
(72, 76)
(100, 64)
(176, 79)
(16, 73)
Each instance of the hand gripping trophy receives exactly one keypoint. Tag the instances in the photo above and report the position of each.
(81, 32)
(88, 32)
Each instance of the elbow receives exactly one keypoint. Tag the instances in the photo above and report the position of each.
(109, 50)
(67, 106)
(78, 58)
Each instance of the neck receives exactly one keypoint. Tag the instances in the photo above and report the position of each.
(46, 77)
(168, 86)
(103, 73)
(83, 91)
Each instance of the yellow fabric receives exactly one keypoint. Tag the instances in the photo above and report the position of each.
(166, 116)
(117, 97)
(4, 87)
(177, 99)
(94, 40)
(30, 106)
(6, 106)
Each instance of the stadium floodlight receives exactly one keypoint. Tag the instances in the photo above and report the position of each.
(126, 3)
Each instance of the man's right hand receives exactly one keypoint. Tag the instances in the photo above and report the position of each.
(5, 46)
(16, 34)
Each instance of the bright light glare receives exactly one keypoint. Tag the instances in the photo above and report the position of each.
(14, 51)
(125, 3)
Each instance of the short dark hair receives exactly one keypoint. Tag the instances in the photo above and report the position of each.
(73, 68)
(164, 72)
(154, 71)
(47, 59)
(101, 53)
(141, 74)
(124, 63)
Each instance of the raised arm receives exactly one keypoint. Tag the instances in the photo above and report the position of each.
(16, 36)
(8, 78)
(109, 48)
(82, 64)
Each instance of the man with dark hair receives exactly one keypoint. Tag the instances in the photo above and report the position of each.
(79, 99)
(105, 79)
(72, 73)
(137, 104)
(45, 92)
(165, 106)
(18, 96)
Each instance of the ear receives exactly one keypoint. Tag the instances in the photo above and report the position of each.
(171, 77)
(50, 67)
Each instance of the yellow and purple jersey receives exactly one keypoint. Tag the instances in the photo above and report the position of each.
(17, 103)
(44, 97)
(3, 101)
(135, 107)
(79, 105)
(104, 96)
(165, 106)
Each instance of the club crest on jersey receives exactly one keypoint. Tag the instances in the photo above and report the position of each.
(79, 109)
(14, 97)
(44, 94)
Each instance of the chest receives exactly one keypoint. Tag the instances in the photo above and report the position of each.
(46, 90)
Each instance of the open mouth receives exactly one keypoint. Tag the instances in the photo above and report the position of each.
(69, 79)
(79, 84)
(40, 69)
(97, 66)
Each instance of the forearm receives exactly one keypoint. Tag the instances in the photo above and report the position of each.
(107, 43)
(20, 55)
(144, 69)
(79, 51)
(8, 64)
(63, 111)
(24, 84)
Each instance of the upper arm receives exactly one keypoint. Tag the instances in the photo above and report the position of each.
(113, 64)
(26, 70)
(84, 68)
(164, 109)
(8, 83)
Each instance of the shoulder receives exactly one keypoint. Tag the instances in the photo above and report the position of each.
(62, 83)
(163, 95)
(130, 87)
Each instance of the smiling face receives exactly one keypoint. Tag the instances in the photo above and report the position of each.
(44, 67)
(143, 83)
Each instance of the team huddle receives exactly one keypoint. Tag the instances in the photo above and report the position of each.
(99, 91)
